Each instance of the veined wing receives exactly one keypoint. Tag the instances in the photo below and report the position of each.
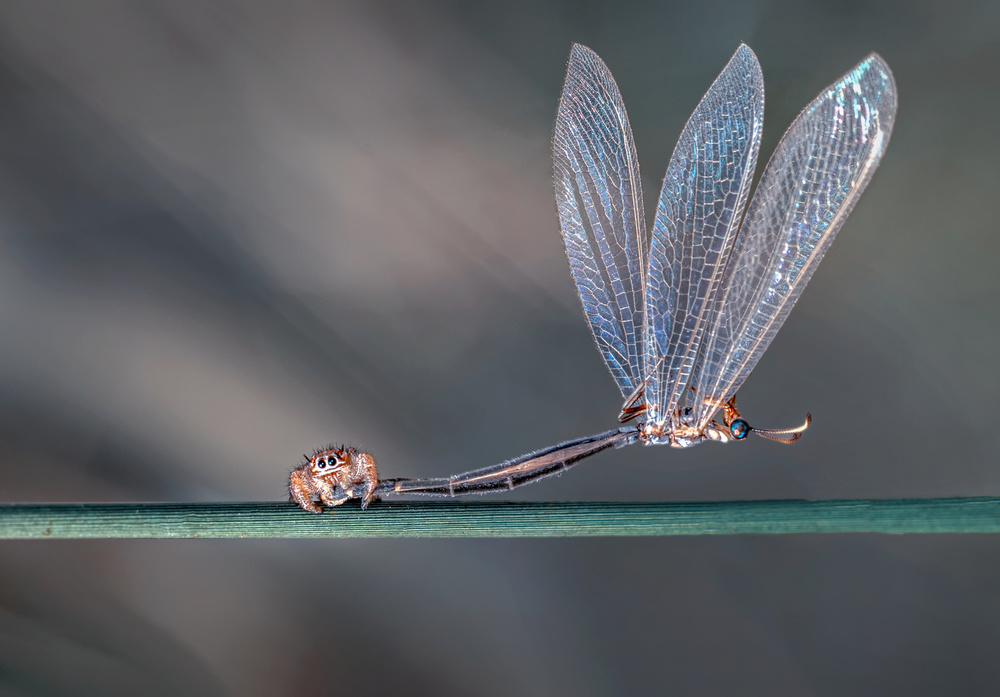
(599, 196)
(697, 218)
(819, 169)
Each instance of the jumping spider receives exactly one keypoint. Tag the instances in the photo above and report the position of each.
(333, 476)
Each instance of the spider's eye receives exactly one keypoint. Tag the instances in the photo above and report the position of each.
(321, 464)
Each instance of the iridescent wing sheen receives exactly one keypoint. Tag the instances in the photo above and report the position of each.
(599, 197)
(701, 204)
(818, 171)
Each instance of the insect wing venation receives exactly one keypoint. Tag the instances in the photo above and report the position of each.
(698, 215)
(819, 169)
(599, 197)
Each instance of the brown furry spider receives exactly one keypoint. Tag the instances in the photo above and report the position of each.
(332, 476)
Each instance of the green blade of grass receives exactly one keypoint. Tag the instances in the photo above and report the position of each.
(496, 519)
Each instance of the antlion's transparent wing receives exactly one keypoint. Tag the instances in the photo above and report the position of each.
(818, 171)
(599, 197)
(699, 211)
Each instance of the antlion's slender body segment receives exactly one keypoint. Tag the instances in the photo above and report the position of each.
(682, 314)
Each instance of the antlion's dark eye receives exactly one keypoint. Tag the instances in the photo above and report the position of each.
(739, 429)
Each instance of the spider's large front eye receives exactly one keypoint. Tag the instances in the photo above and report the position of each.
(321, 464)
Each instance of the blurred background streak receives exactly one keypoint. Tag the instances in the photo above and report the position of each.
(233, 231)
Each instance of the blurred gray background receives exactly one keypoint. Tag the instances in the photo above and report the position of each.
(231, 232)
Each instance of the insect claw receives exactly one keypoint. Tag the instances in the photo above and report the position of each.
(632, 408)
(630, 413)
